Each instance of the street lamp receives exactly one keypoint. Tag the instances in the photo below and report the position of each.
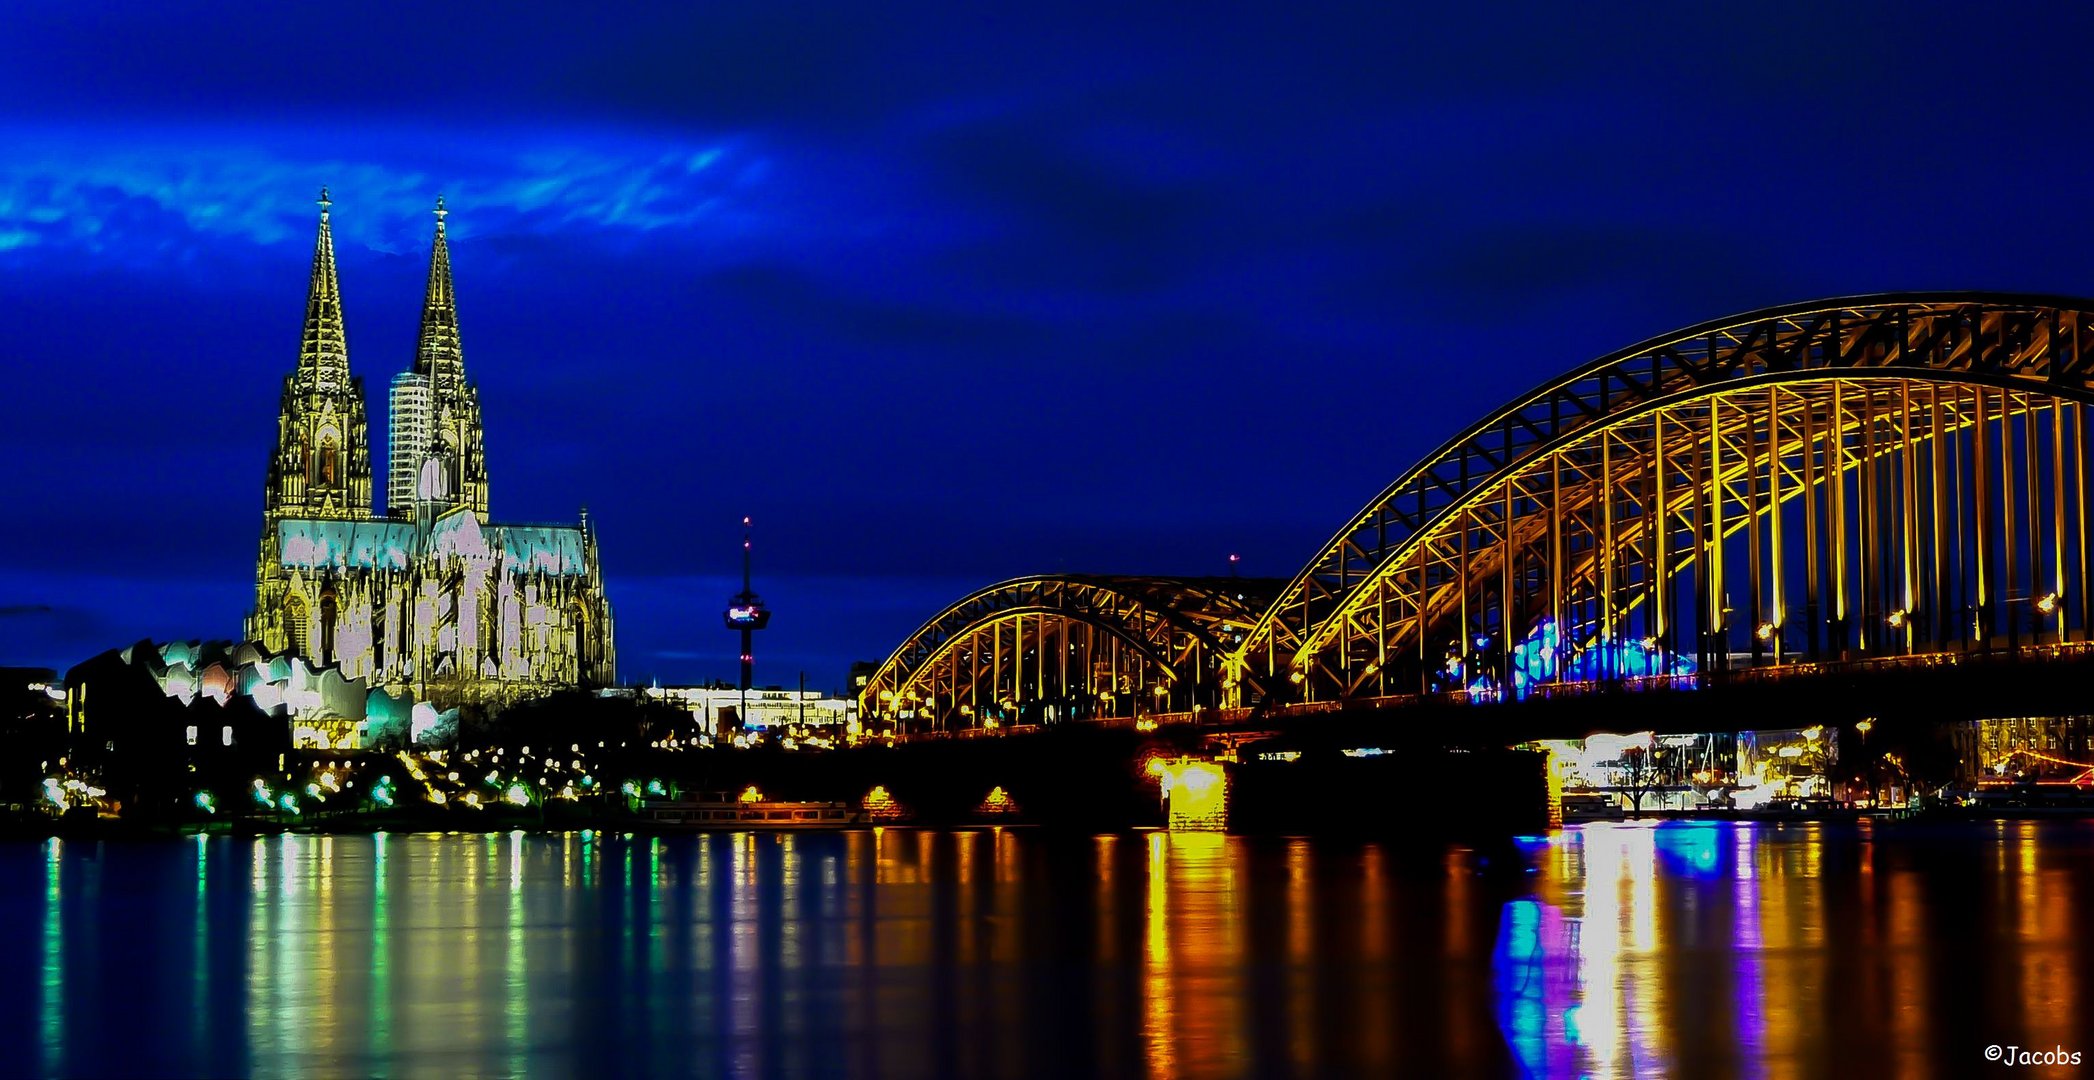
(1863, 727)
(1768, 633)
(2047, 606)
(1900, 620)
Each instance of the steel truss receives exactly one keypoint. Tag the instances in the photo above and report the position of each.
(1845, 478)
(1042, 649)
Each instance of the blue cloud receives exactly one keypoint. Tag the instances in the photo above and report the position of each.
(149, 197)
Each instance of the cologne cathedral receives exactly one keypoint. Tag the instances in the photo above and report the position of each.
(431, 599)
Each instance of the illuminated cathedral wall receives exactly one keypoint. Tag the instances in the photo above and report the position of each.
(447, 609)
(431, 601)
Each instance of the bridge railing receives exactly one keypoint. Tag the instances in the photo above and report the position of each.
(2054, 651)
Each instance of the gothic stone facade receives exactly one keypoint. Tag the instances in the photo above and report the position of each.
(431, 599)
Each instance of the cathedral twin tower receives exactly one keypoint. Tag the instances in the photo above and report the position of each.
(431, 600)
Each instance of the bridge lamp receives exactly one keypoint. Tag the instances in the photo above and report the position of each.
(1897, 618)
(1297, 678)
(1764, 631)
(1865, 726)
(2047, 603)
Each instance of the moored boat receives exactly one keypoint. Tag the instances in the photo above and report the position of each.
(1579, 806)
(722, 811)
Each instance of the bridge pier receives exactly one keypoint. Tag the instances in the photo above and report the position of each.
(1195, 793)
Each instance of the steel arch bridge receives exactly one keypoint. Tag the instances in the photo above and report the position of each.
(1063, 647)
(1852, 477)
(1848, 479)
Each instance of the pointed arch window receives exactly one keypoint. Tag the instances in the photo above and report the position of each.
(327, 464)
(294, 625)
(380, 629)
(578, 639)
(329, 615)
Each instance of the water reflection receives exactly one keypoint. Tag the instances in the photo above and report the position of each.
(51, 973)
(1633, 949)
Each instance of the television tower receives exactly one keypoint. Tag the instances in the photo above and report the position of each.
(745, 612)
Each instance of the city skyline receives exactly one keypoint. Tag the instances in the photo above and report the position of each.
(939, 539)
(1121, 302)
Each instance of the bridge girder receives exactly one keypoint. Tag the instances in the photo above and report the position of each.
(1506, 521)
(1088, 645)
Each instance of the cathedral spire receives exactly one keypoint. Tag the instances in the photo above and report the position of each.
(453, 438)
(322, 464)
(437, 353)
(323, 351)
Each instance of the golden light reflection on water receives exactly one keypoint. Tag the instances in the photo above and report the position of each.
(1159, 991)
(1193, 987)
(1632, 949)
(1301, 934)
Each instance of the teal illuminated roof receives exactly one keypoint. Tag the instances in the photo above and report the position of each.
(342, 545)
(540, 549)
(308, 544)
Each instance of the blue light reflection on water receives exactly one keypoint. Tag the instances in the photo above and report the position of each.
(1746, 945)
(1691, 848)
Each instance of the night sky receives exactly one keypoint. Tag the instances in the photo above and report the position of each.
(939, 295)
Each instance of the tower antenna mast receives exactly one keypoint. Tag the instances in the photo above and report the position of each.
(746, 613)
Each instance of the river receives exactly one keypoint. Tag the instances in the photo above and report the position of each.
(1629, 949)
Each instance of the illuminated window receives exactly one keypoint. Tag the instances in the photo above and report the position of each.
(225, 735)
(192, 734)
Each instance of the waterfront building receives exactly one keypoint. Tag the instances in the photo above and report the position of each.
(771, 709)
(2015, 761)
(152, 723)
(432, 600)
(32, 731)
(1697, 771)
(110, 700)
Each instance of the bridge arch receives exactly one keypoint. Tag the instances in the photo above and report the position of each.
(1831, 478)
(1055, 647)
